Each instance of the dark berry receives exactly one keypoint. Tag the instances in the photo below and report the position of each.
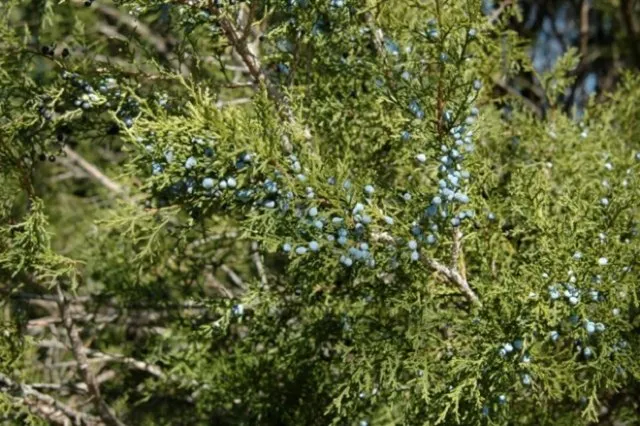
(42, 157)
(52, 158)
(113, 130)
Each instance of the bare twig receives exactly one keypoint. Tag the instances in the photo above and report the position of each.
(451, 273)
(239, 85)
(456, 250)
(79, 353)
(45, 321)
(93, 171)
(501, 83)
(245, 18)
(252, 62)
(239, 101)
(215, 237)
(495, 15)
(216, 284)
(45, 405)
(378, 35)
(66, 175)
(142, 30)
(633, 28)
(584, 29)
(455, 278)
(231, 67)
(235, 278)
(131, 362)
(46, 300)
(98, 356)
(74, 387)
(257, 260)
(105, 375)
(111, 32)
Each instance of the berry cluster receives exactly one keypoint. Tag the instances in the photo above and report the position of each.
(83, 92)
(443, 210)
(345, 236)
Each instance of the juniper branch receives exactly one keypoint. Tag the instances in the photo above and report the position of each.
(252, 62)
(452, 274)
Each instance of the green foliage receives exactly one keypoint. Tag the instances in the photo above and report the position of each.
(365, 234)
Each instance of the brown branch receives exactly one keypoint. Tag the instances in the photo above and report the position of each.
(451, 273)
(632, 27)
(252, 62)
(456, 252)
(584, 29)
(378, 35)
(239, 85)
(97, 356)
(584, 55)
(93, 171)
(80, 388)
(235, 278)
(513, 92)
(455, 278)
(213, 282)
(142, 30)
(79, 353)
(440, 91)
(131, 362)
(232, 102)
(45, 405)
(495, 15)
(255, 254)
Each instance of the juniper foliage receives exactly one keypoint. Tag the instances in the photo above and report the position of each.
(307, 212)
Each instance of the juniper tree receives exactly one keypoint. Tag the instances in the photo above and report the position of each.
(307, 212)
